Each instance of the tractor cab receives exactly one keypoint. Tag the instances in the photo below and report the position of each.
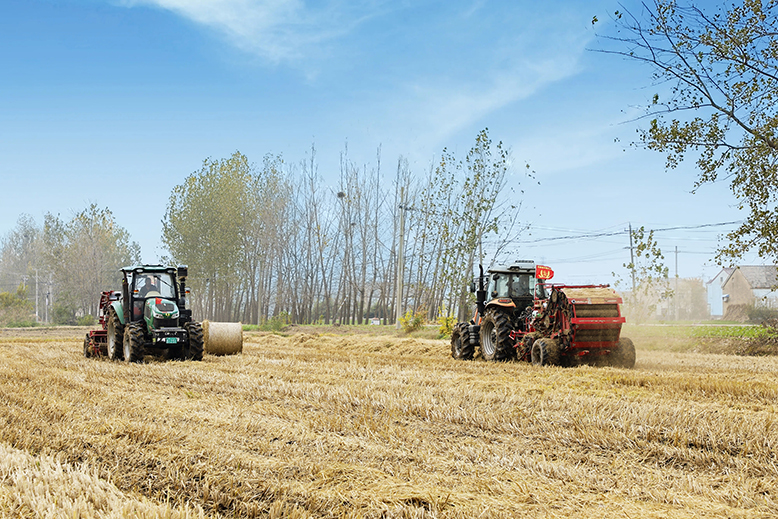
(152, 293)
(515, 286)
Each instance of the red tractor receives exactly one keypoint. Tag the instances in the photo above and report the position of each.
(527, 319)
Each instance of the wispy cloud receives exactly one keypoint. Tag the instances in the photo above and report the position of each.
(448, 108)
(435, 69)
(510, 74)
(277, 30)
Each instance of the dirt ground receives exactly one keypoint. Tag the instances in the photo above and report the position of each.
(318, 424)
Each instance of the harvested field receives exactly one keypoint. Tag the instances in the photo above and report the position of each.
(321, 425)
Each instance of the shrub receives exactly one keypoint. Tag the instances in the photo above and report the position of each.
(761, 314)
(277, 323)
(412, 321)
(446, 323)
(86, 320)
(63, 314)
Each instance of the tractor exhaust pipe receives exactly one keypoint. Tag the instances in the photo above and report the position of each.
(480, 294)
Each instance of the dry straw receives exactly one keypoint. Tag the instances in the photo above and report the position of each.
(315, 425)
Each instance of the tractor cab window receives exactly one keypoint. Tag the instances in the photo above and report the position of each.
(538, 288)
(520, 286)
(155, 285)
(498, 286)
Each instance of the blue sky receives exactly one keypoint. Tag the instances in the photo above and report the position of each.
(99, 97)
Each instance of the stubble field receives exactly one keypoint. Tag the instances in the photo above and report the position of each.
(359, 425)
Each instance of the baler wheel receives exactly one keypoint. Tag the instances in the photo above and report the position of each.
(496, 342)
(624, 356)
(545, 352)
(115, 336)
(87, 349)
(133, 342)
(461, 348)
(194, 350)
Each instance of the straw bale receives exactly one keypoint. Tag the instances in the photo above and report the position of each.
(597, 295)
(223, 338)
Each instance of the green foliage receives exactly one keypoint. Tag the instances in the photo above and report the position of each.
(721, 62)
(464, 203)
(86, 320)
(412, 321)
(446, 323)
(733, 332)
(16, 309)
(277, 323)
(225, 222)
(649, 275)
(761, 314)
(63, 313)
(84, 255)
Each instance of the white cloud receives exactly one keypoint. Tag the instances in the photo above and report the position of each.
(448, 108)
(277, 30)
(434, 105)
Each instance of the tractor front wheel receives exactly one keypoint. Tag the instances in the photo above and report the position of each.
(496, 342)
(545, 352)
(115, 336)
(461, 348)
(194, 350)
(133, 342)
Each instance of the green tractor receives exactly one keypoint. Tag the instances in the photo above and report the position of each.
(151, 317)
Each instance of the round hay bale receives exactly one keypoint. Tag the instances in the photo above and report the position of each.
(223, 338)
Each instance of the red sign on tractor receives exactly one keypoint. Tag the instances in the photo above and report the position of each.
(543, 272)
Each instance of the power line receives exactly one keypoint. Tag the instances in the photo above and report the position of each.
(626, 231)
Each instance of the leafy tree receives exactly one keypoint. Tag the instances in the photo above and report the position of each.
(85, 255)
(203, 228)
(479, 207)
(16, 309)
(648, 275)
(21, 254)
(226, 222)
(721, 63)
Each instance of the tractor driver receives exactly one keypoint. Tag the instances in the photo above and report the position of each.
(520, 286)
(151, 285)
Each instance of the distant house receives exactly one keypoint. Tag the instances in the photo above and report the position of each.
(716, 292)
(742, 287)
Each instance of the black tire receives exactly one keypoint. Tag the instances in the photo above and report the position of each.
(461, 348)
(194, 350)
(87, 348)
(545, 352)
(496, 342)
(133, 342)
(624, 356)
(115, 336)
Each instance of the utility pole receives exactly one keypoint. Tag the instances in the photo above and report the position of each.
(48, 298)
(675, 293)
(632, 258)
(37, 319)
(400, 259)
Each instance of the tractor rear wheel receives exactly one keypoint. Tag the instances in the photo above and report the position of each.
(87, 349)
(545, 352)
(460, 342)
(624, 356)
(496, 342)
(115, 336)
(133, 342)
(194, 350)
